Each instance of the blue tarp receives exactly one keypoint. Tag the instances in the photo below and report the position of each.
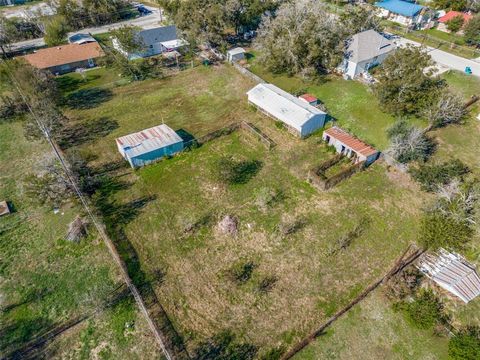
(400, 7)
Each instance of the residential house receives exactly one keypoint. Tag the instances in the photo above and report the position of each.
(350, 146)
(405, 13)
(149, 145)
(443, 20)
(236, 54)
(154, 41)
(453, 273)
(297, 115)
(66, 58)
(364, 51)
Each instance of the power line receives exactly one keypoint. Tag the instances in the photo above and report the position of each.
(107, 241)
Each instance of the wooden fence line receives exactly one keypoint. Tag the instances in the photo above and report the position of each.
(398, 266)
(264, 139)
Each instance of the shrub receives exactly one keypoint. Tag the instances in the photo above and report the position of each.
(241, 272)
(438, 230)
(231, 171)
(425, 311)
(431, 176)
(266, 197)
(466, 344)
(267, 284)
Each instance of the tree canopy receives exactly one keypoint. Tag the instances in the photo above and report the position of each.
(472, 31)
(404, 86)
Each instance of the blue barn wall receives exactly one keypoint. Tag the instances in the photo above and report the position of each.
(154, 155)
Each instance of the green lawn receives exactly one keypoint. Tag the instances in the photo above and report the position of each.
(372, 330)
(46, 281)
(462, 141)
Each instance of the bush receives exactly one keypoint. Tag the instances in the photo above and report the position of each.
(466, 344)
(438, 230)
(425, 311)
(241, 272)
(231, 171)
(267, 284)
(431, 176)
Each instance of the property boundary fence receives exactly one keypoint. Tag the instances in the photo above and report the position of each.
(398, 266)
(248, 73)
(264, 139)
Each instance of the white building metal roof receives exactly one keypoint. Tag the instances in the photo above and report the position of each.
(282, 105)
(148, 140)
(453, 273)
(236, 51)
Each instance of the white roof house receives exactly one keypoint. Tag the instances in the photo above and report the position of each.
(365, 50)
(149, 145)
(297, 114)
(453, 273)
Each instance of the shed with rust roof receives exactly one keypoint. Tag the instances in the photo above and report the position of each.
(149, 145)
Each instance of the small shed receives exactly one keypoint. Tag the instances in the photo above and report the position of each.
(453, 273)
(236, 54)
(4, 209)
(309, 99)
(149, 145)
(300, 117)
(350, 146)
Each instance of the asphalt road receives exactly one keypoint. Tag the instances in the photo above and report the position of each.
(146, 21)
(447, 60)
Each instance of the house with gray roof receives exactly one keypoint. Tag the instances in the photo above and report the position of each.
(154, 41)
(364, 51)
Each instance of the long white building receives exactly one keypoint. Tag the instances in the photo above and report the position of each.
(299, 116)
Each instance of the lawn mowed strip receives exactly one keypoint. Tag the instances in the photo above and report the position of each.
(281, 274)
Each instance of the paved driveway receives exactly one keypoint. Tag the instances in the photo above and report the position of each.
(447, 60)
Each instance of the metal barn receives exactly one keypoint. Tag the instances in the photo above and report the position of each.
(149, 145)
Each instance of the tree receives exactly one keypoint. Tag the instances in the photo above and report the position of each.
(457, 5)
(296, 42)
(455, 24)
(404, 87)
(425, 311)
(56, 31)
(128, 39)
(408, 143)
(465, 345)
(448, 109)
(431, 177)
(355, 19)
(472, 31)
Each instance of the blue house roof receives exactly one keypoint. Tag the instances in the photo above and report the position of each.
(400, 7)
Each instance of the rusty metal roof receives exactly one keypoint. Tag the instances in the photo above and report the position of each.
(148, 140)
(350, 141)
(452, 272)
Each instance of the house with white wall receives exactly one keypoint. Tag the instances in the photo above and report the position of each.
(404, 13)
(154, 41)
(364, 51)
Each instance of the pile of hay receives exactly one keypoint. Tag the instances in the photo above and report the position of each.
(77, 230)
(228, 225)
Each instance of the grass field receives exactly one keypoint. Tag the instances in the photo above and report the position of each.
(46, 282)
(373, 330)
(306, 282)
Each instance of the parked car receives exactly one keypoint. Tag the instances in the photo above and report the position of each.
(143, 10)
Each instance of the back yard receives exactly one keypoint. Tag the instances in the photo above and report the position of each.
(283, 271)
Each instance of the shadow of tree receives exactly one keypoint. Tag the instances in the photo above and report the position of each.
(84, 132)
(20, 332)
(87, 98)
(224, 347)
